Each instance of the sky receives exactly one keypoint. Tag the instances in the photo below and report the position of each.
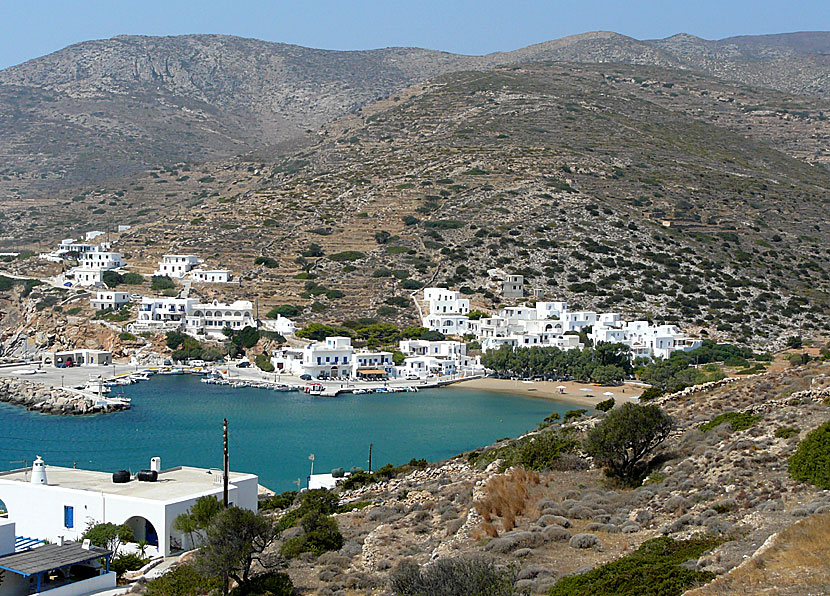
(38, 27)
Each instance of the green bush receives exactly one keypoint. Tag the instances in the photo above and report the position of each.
(738, 421)
(283, 500)
(785, 432)
(606, 405)
(132, 279)
(182, 580)
(453, 577)
(161, 282)
(652, 570)
(269, 262)
(269, 584)
(536, 452)
(346, 256)
(112, 278)
(651, 393)
(811, 461)
(264, 363)
(444, 224)
(286, 310)
(127, 562)
(125, 336)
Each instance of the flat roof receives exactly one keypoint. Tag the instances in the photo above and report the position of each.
(175, 483)
(49, 557)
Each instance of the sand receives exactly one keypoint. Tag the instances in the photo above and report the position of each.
(572, 393)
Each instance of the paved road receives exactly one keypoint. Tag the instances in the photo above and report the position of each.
(68, 377)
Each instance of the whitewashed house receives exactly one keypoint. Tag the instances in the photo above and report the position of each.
(645, 340)
(281, 325)
(333, 357)
(101, 260)
(210, 319)
(447, 311)
(372, 365)
(55, 503)
(162, 314)
(176, 266)
(86, 277)
(109, 300)
(211, 276)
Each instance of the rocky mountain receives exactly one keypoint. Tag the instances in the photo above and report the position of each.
(104, 109)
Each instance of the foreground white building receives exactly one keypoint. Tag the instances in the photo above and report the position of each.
(426, 359)
(446, 311)
(162, 314)
(332, 358)
(54, 503)
(63, 568)
(109, 300)
(176, 266)
(210, 319)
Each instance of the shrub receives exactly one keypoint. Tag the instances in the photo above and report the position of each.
(453, 576)
(626, 436)
(346, 256)
(409, 220)
(411, 284)
(182, 580)
(444, 224)
(536, 452)
(125, 336)
(269, 262)
(606, 405)
(283, 500)
(651, 393)
(786, 432)
(286, 310)
(132, 279)
(127, 562)
(264, 363)
(811, 461)
(574, 414)
(161, 282)
(270, 584)
(652, 570)
(112, 278)
(737, 420)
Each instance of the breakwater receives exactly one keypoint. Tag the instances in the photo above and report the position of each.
(62, 401)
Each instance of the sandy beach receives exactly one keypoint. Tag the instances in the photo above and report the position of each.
(572, 392)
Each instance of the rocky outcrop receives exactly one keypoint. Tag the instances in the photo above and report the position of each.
(53, 400)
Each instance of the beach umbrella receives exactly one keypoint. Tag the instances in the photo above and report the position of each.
(561, 387)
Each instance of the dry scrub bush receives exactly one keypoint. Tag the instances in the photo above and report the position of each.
(506, 498)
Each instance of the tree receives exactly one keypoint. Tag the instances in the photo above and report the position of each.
(236, 540)
(286, 310)
(108, 535)
(811, 461)
(196, 521)
(792, 342)
(382, 236)
(112, 278)
(313, 250)
(161, 282)
(626, 436)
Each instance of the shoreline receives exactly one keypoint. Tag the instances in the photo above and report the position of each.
(572, 393)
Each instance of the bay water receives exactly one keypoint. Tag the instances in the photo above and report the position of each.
(271, 433)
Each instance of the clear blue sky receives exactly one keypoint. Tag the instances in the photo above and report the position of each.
(37, 27)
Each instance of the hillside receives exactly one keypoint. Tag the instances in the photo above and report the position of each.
(100, 110)
(566, 174)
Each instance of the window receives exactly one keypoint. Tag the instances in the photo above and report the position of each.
(68, 516)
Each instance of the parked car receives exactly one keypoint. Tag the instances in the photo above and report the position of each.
(305, 377)
(244, 364)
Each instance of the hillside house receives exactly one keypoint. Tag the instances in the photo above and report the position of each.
(212, 276)
(162, 314)
(210, 320)
(109, 300)
(176, 266)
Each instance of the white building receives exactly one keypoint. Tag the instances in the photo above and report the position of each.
(645, 340)
(210, 319)
(69, 245)
(102, 260)
(212, 276)
(82, 357)
(372, 365)
(435, 358)
(162, 314)
(87, 277)
(55, 503)
(109, 300)
(93, 234)
(333, 357)
(447, 311)
(281, 325)
(176, 265)
(60, 569)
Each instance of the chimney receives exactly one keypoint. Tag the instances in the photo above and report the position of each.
(38, 471)
(155, 464)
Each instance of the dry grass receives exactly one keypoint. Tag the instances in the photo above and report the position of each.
(796, 562)
(507, 498)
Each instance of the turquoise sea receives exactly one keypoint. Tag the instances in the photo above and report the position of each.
(272, 434)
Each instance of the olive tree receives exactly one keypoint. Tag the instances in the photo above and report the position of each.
(236, 539)
(626, 436)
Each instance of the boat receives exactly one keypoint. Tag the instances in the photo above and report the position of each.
(314, 389)
(95, 385)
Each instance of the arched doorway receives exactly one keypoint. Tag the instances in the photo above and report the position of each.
(143, 530)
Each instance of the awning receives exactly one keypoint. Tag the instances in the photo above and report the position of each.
(49, 557)
(371, 371)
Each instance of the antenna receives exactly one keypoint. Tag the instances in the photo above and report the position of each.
(226, 471)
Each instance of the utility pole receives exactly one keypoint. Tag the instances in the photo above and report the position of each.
(370, 458)
(226, 469)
